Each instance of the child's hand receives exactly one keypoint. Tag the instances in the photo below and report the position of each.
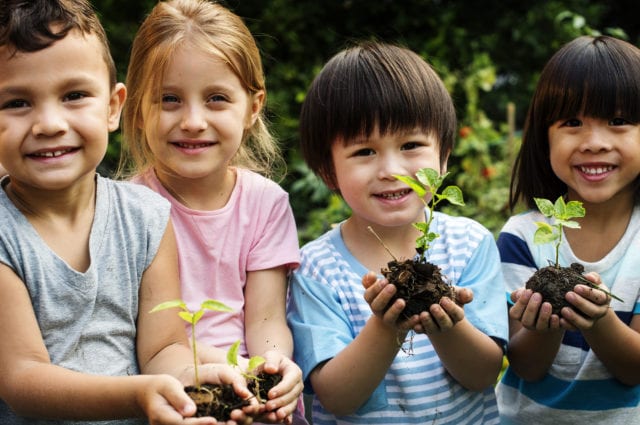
(216, 373)
(589, 305)
(378, 294)
(443, 316)
(283, 398)
(164, 402)
(531, 312)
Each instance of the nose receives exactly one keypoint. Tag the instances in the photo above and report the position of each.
(193, 120)
(389, 165)
(50, 121)
(596, 138)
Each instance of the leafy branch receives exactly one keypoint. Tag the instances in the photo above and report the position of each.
(427, 182)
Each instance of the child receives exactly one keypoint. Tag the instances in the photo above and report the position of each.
(374, 111)
(82, 258)
(194, 130)
(581, 141)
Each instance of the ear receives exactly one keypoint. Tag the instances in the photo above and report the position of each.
(257, 102)
(116, 102)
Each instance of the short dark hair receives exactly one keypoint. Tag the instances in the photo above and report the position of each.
(597, 77)
(25, 25)
(367, 86)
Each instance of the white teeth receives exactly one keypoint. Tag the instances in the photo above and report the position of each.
(393, 196)
(192, 146)
(51, 154)
(593, 171)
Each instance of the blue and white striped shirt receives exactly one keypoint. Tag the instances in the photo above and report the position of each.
(327, 310)
(577, 388)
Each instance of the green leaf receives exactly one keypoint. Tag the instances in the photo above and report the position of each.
(187, 316)
(430, 177)
(232, 354)
(544, 234)
(453, 194)
(421, 226)
(575, 209)
(197, 316)
(254, 362)
(569, 223)
(169, 304)
(413, 184)
(215, 305)
(545, 206)
(560, 208)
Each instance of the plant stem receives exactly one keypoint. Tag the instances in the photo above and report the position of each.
(195, 355)
(594, 286)
(558, 247)
(369, 228)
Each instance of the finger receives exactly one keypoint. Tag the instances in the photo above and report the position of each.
(545, 313)
(515, 295)
(464, 296)
(517, 310)
(369, 279)
(530, 313)
(593, 277)
(440, 316)
(594, 295)
(428, 323)
(453, 310)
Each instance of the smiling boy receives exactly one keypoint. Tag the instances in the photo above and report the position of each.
(83, 259)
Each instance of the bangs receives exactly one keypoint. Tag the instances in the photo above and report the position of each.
(593, 82)
(371, 91)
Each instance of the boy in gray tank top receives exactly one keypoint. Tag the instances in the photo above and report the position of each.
(83, 259)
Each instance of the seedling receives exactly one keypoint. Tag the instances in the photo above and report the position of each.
(192, 317)
(253, 379)
(428, 181)
(562, 214)
(232, 359)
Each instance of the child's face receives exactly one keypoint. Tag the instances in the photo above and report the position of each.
(364, 173)
(204, 112)
(56, 112)
(597, 159)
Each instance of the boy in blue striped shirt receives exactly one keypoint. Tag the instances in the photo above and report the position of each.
(374, 111)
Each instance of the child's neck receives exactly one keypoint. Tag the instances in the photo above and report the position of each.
(63, 218)
(374, 254)
(208, 193)
(601, 229)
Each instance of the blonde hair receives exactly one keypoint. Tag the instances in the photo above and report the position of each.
(212, 28)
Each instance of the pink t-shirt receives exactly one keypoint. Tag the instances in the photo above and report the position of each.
(255, 231)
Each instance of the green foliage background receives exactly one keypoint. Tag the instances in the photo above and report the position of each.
(488, 52)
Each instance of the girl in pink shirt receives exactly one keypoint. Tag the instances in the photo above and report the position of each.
(194, 132)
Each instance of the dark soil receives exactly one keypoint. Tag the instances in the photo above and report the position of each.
(261, 384)
(419, 284)
(215, 400)
(553, 283)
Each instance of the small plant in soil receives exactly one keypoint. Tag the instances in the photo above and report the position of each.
(216, 400)
(419, 282)
(259, 384)
(554, 280)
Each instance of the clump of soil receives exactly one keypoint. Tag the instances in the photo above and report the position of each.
(261, 384)
(215, 400)
(420, 284)
(554, 282)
